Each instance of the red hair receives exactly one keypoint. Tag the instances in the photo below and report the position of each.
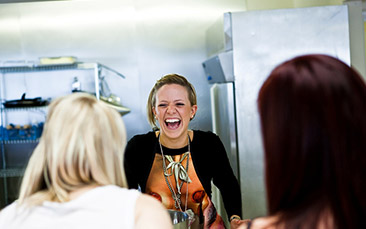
(313, 119)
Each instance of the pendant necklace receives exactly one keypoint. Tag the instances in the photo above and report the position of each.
(180, 173)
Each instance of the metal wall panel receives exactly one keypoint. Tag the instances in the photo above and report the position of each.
(223, 120)
(261, 40)
(224, 125)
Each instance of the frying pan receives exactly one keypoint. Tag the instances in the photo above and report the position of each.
(23, 102)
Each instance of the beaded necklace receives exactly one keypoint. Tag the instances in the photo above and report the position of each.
(179, 173)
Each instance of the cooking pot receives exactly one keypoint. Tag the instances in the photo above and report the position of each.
(179, 219)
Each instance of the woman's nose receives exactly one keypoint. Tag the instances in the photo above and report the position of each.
(171, 108)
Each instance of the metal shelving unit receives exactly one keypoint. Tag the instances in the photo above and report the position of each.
(19, 160)
(11, 172)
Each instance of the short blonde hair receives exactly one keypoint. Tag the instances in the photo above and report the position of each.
(168, 79)
(82, 144)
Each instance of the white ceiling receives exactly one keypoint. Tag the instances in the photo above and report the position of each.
(17, 1)
(160, 2)
(154, 2)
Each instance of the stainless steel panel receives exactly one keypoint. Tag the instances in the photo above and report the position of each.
(223, 120)
(219, 68)
(261, 40)
(219, 36)
(228, 32)
(357, 36)
(224, 125)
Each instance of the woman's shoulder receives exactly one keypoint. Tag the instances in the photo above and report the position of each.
(105, 192)
(207, 138)
(202, 134)
(117, 190)
(10, 215)
(8, 211)
(113, 197)
(138, 138)
(150, 213)
(205, 141)
(140, 144)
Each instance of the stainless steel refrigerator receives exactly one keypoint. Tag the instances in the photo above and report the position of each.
(243, 48)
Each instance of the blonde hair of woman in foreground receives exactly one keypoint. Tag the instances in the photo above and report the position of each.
(75, 177)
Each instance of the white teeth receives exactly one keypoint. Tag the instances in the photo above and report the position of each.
(172, 120)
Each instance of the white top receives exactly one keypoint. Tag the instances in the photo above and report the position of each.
(105, 207)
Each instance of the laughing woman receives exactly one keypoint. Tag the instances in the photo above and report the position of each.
(176, 165)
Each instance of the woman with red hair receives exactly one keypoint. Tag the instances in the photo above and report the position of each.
(312, 111)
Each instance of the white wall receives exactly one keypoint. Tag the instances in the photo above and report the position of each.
(141, 39)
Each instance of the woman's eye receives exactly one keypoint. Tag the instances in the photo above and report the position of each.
(180, 104)
(162, 105)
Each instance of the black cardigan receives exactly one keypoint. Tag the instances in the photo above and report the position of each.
(209, 159)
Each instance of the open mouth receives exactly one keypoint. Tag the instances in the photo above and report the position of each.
(172, 123)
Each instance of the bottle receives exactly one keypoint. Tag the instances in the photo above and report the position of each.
(76, 85)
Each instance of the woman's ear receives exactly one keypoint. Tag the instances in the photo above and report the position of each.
(193, 111)
(154, 112)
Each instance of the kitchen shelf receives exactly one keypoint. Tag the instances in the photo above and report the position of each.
(35, 68)
(17, 109)
(19, 141)
(14, 152)
(59, 67)
(54, 67)
(11, 172)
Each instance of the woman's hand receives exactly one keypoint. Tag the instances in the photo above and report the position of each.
(238, 223)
